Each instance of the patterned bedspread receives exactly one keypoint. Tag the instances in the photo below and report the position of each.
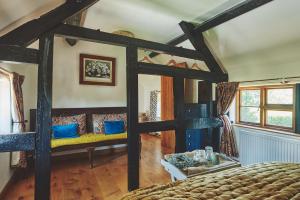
(270, 181)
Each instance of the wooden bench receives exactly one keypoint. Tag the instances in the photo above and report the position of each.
(89, 147)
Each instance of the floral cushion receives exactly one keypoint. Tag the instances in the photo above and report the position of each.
(78, 119)
(98, 120)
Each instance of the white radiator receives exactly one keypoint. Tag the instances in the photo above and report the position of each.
(257, 146)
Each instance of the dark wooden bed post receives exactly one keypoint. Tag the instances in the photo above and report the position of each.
(178, 91)
(44, 105)
(132, 124)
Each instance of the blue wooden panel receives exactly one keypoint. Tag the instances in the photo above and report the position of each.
(193, 111)
(17, 142)
(195, 139)
(202, 123)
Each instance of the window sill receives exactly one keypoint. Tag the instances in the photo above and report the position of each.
(268, 130)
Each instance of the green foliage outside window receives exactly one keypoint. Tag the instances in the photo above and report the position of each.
(276, 107)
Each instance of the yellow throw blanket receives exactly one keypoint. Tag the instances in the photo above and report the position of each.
(270, 181)
(86, 138)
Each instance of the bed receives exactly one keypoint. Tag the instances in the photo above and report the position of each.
(268, 181)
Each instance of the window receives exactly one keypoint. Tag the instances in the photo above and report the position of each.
(5, 114)
(267, 106)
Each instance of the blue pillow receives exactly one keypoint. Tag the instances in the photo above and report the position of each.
(65, 131)
(114, 127)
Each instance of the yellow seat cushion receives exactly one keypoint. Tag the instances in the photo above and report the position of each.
(86, 138)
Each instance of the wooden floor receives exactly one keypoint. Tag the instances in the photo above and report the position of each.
(73, 180)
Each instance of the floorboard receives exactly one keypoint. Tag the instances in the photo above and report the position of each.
(72, 179)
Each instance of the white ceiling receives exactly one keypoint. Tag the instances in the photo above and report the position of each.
(155, 20)
(16, 12)
(269, 27)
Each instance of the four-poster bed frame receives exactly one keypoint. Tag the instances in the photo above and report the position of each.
(13, 49)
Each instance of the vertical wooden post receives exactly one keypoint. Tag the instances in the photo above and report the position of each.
(178, 90)
(43, 126)
(205, 96)
(132, 116)
(297, 110)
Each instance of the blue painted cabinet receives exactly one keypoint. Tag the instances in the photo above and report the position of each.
(195, 139)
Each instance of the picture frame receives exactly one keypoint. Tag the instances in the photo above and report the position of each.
(97, 70)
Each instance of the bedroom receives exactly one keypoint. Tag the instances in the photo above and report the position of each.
(245, 46)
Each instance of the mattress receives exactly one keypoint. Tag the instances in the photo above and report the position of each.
(86, 138)
(268, 181)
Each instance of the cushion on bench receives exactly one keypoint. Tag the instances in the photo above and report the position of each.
(65, 131)
(114, 127)
(86, 138)
(98, 121)
(74, 119)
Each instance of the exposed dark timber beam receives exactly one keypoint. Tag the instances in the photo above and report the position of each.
(163, 70)
(147, 127)
(221, 18)
(199, 44)
(230, 14)
(29, 32)
(81, 33)
(172, 42)
(179, 108)
(43, 115)
(76, 20)
(132, 116)
(11, 53)
(17, 142)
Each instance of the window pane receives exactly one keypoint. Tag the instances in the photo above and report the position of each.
(280, 118)
(250, 97)
(5, 114)
(280, 96)
(250, 114)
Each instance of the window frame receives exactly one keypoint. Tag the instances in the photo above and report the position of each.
(264, 107)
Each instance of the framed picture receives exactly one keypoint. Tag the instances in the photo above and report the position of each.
(97, 70)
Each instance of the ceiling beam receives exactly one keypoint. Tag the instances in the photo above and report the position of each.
(221, 18)
(92, 35)
(230, 14)
(199, 44)
(29, 32)
(163, 70)
(76, 20)
(9, 53)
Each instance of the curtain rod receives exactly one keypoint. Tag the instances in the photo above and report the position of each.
(4, 72)
(270, 79)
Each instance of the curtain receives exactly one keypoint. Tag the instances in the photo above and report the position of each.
(225, 95)
(153, 105)
(17, 110)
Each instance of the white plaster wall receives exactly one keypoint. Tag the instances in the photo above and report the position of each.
(67, 92)
(5, 171)
(278, 62)
(147, 83)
